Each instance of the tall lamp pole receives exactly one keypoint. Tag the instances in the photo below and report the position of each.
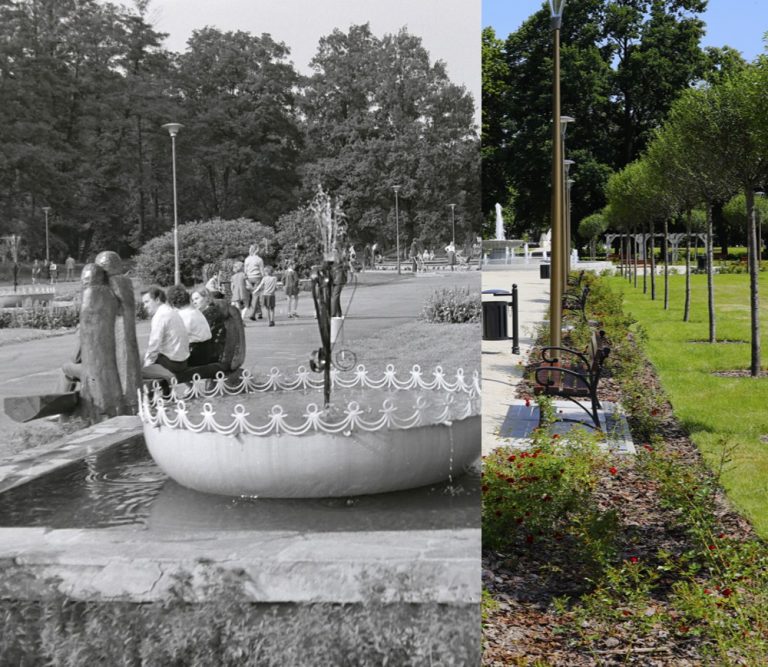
(47, 246)
(564, 121)
(567, 164)
(396, 188)
(173, 130)
(556, 273)
(453, 223)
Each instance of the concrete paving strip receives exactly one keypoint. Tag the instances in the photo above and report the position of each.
(37, 461)
(435, 566)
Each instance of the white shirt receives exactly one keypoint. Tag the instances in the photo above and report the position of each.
(167, 335)
(196, 324)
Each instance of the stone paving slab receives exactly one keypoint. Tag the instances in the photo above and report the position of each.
(441, 566)
(520, 420)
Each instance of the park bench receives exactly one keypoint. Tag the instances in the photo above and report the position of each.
(576, 376)
(577, 302)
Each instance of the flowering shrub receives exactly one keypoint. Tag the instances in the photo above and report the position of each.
(544, 495)
(40, 317)
(452, 306)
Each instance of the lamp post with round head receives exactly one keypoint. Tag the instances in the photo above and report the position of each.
(556, 273)
(173, 130)
(47, 246)
(396, 188)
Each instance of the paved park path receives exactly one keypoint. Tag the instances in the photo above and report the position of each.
(382, 300)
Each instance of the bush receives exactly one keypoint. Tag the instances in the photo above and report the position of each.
(452, 306)
(544, 495)
(41, 317)
(201, 243)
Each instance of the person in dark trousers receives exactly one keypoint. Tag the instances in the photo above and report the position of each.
(339, 274)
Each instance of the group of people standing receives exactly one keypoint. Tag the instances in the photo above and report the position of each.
(43, 269)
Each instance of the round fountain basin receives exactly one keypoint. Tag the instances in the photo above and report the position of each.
(316, 464)
(270, 439)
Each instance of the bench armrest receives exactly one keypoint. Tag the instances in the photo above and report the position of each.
(567, 350)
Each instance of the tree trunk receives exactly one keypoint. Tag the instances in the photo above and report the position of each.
(754, 296)
(634, 254)
(666, 266)
(710, 277)
(653, 263)
(645, 262)
(687, 308)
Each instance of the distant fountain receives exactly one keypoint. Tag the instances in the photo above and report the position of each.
(499, 224)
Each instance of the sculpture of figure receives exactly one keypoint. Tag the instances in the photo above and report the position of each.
(127, 347)
(100, 389)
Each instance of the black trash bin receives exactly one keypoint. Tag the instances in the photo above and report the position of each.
(494, 320)
(544, 271)
(701, 262)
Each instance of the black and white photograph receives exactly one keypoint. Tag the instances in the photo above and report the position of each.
(240, 333)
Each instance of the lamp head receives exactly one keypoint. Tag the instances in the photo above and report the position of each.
(46, 209)
(173, 128)
(556, 10)
(396, 188)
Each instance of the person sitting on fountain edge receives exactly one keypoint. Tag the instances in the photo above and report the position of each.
(168, 346)
(201, 348)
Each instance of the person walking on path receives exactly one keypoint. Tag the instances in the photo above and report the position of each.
(450, 252)
(339, 273)
(36, 271)
(367, 255)
(69, 265)
(413, 255)
(291, 287)
(374, 254)
(240, 295)
(53, 272)
(268, 287)
(254, 271)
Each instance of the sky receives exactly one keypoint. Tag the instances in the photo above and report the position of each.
(737, 23)
(450, 29)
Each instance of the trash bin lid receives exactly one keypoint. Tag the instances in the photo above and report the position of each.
(496, 292)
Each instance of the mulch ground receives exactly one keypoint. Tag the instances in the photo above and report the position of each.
(524, 628)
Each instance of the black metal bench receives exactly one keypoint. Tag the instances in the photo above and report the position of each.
(577, 302)
(576, 376)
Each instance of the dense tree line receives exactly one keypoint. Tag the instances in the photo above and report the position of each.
(623, 64)
(86, 87)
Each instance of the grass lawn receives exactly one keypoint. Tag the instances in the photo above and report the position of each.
(724, 415)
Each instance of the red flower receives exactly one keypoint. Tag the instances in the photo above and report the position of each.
(707, 591)
(555, 436)
(683, 629)
(726, 592)
(647, 447)
(613, 470)
(626, 612)
(511, 457)
(655, 411)
(633, 559)
(484, 488)
(527, 402)
(721, 536)
(711, 547)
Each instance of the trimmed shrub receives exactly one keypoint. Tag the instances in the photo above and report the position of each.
(455, 305)
(41, 317)
(202, 243)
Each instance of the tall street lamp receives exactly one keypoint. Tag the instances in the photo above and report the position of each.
(453, 223)
(173, 130)
(47, 246)
(556, 273)
(396, 188)
(567, 220)
(564, 121)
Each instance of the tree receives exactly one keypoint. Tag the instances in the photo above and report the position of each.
(591, 227)
(379, 113)
(236, 97)
(623, 63)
